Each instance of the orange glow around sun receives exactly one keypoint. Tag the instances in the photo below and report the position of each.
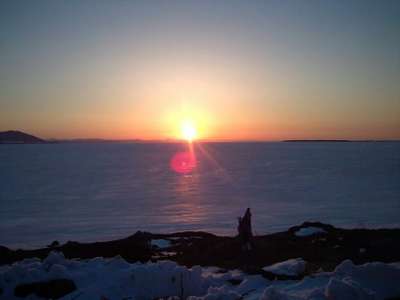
(188, 123)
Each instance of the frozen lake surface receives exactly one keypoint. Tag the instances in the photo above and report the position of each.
(89, 192)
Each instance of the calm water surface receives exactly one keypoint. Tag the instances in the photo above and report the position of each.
(89, 192)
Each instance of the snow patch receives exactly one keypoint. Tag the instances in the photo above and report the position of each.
(308, 231)
(290, 267)
(161, 243)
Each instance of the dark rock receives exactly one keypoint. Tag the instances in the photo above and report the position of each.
(54, 244)
(273, 276)
(131, 249)
(5, 255)
(52, 289)
(234, 281)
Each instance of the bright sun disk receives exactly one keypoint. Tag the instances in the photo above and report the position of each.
(188, 131)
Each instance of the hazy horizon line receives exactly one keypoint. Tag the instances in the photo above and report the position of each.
(218, 140)
(200, 140)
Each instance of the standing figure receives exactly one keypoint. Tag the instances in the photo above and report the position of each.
(244, 230)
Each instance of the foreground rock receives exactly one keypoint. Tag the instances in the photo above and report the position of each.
(133, 248)
(52, 289)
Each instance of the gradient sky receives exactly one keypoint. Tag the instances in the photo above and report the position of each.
(258, 70)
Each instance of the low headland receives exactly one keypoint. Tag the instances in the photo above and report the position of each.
(19, 137)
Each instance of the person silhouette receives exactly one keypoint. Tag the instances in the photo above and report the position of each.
(244, 230)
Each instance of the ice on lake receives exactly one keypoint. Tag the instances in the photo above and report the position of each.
(89, 192)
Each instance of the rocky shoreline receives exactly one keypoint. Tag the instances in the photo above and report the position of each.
(321, 245)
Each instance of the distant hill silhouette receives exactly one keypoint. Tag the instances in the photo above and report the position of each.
(18, 137)
(317, 141)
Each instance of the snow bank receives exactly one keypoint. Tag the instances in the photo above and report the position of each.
(379, 277)
(114, 278)
(161, 243)
(308, 231)
(347, 289)
(290, 267)
(219, 293)
(272, 293)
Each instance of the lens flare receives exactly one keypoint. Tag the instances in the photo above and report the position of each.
(183, 162)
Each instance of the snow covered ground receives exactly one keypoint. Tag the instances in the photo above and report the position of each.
(114, 278)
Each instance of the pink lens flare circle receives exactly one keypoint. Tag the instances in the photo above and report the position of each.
(183, 162)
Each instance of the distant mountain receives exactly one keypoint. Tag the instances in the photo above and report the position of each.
(18, 137)
(113, 141)
(317, 141)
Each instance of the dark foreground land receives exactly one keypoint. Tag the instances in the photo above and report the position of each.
(321, 251)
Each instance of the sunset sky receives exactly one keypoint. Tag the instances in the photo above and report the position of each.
(238, 70)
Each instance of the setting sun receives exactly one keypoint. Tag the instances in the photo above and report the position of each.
(215, 130)
(188, 131)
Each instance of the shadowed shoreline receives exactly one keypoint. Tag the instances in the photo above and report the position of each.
(323, 250)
